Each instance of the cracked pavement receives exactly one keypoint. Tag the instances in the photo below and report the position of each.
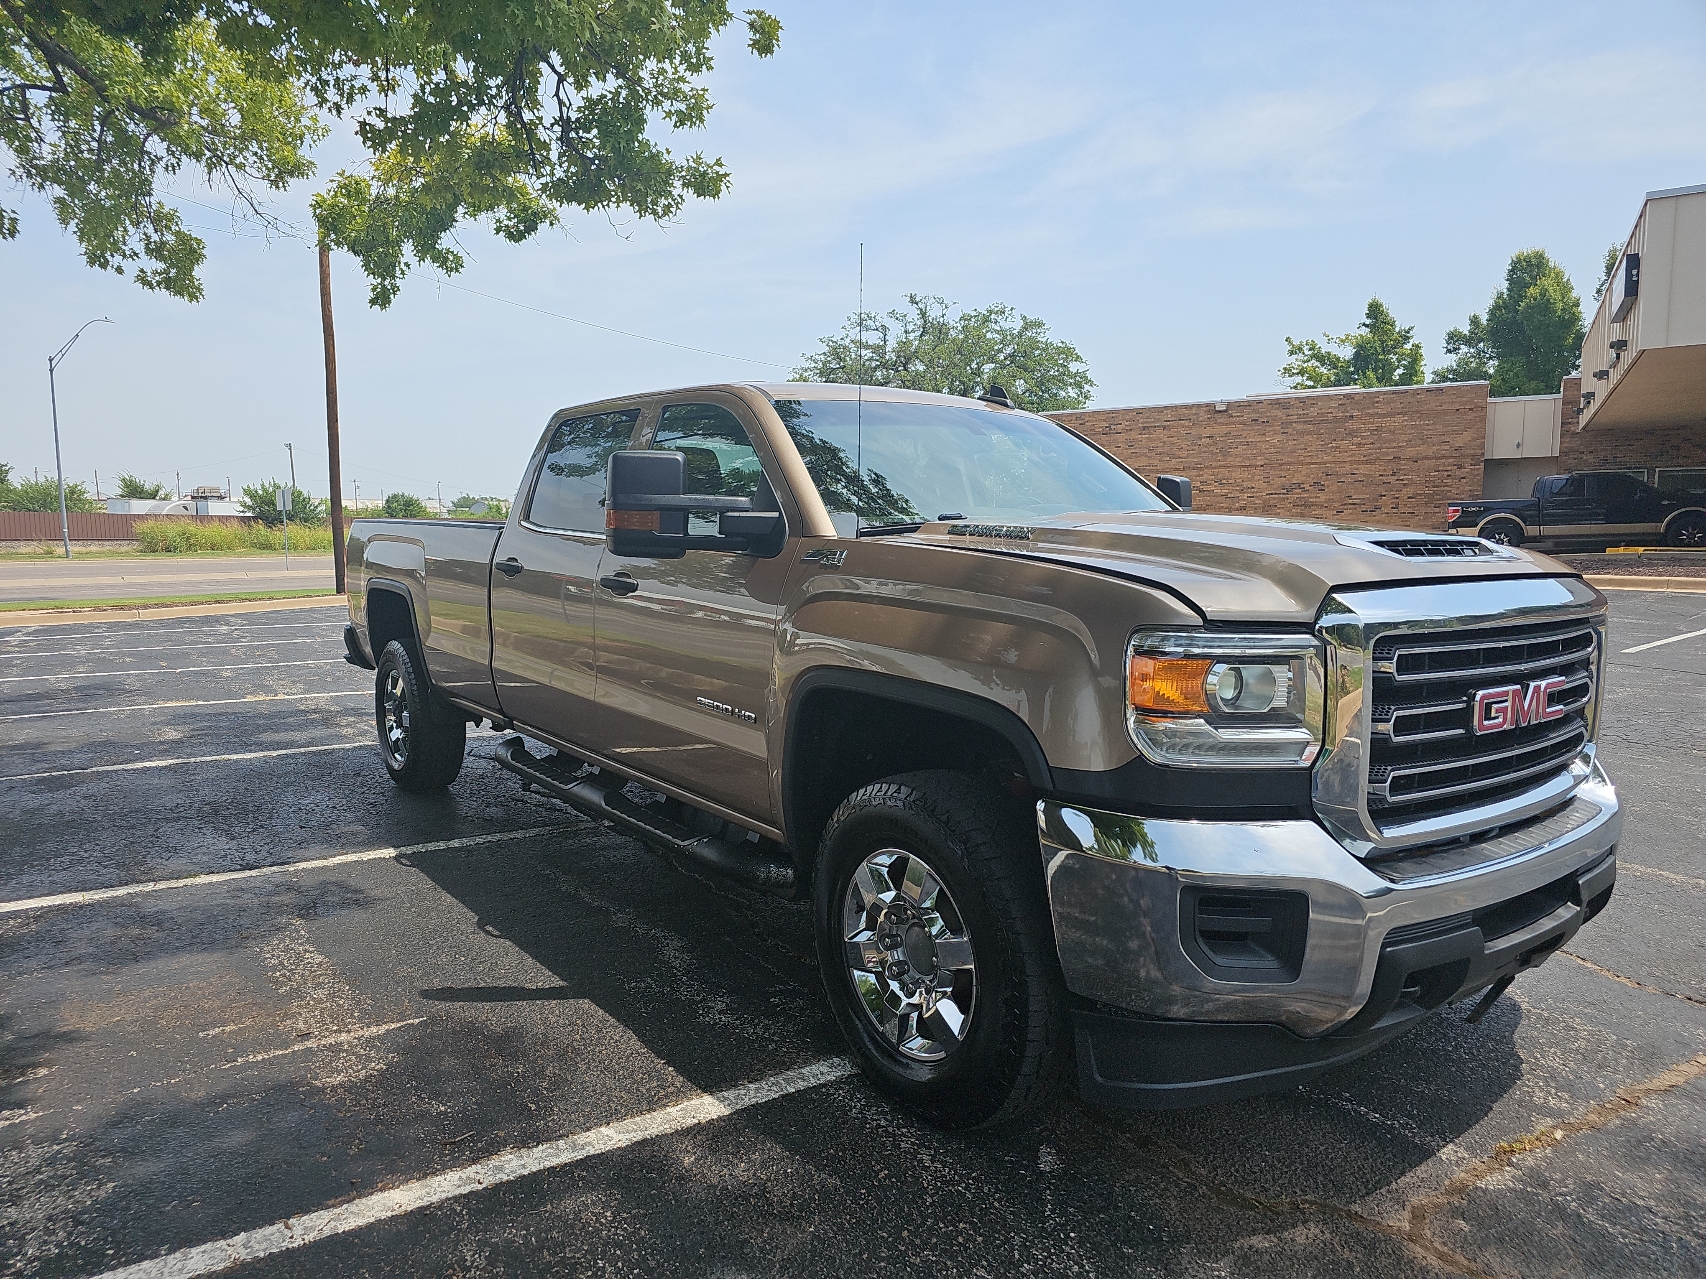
(181, 1065)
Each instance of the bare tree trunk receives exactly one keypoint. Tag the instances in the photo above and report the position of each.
(334, 461)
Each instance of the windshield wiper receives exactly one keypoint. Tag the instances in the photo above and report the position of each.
(883, 530)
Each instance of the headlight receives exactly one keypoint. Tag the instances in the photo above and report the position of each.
(1208, 699)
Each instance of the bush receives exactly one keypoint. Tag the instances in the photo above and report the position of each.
(181, 536)
(261, 501)
(43, 495)
(405, 506)
(497, 508)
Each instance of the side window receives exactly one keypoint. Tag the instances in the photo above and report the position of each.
(1611, 488)
(720, 459)
(569, 493)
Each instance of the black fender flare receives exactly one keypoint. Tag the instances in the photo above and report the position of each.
(894, 688)
(388, 586)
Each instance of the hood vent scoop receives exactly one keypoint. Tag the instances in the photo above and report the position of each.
(1432, 548)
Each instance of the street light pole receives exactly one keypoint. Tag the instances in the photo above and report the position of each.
(53, 362)
(291, 497)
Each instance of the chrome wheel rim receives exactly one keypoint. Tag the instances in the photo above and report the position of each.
(1691, 535)
(1501, 536)
(394, 718)
(909, 955)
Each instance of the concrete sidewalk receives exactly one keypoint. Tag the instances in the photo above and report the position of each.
(161, 575)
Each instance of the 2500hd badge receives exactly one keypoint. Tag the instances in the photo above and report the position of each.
(1073, 778)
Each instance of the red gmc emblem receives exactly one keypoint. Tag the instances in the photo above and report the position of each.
(1517, 705)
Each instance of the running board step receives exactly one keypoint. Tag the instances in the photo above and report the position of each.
(601, 798)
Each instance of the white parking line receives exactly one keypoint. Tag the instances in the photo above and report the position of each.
(1642, 648)
(174, 670)
(328, 1041)
(298, 1232)
(162, 648)
(193, 759)
(277, 868)
(156, 706)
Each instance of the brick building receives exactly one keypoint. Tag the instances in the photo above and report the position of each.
(1394, 457)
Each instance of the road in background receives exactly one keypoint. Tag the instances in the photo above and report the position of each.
(491, 972)
(160, 575)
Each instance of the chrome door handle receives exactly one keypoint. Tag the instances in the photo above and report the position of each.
(509, 567)
(620, 583)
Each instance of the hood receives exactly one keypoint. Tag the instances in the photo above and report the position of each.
(1237, 568)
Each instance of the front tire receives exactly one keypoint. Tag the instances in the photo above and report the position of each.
(420, 738)
(936, 949)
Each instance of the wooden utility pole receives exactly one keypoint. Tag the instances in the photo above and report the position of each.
(332, 458)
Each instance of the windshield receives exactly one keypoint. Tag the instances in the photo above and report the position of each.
(882, 464)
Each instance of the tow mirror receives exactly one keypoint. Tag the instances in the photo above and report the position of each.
(646, 510)
(1176, 489)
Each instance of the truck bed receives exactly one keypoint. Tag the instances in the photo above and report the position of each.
(448, 565)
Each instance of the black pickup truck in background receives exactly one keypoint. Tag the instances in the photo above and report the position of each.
(1586, 510)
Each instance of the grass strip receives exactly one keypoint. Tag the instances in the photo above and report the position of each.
(156, 601)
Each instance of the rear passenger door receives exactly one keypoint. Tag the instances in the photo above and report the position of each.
(544, 602)
(687, 647)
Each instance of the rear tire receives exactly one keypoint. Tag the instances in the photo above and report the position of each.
(1689, 532)
(421, 739)
(1503, 533)
(951, 997)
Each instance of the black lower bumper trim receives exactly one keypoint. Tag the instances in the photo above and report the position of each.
(1152, 1064)
(1168, 1065)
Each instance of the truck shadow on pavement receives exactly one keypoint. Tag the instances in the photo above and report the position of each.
(721, 986)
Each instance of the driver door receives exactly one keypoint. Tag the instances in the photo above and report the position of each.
(687, 647)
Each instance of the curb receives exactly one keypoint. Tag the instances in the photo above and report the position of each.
(61, 617)
(1620, 582)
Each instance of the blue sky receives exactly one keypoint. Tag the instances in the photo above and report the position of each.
(1173, 188)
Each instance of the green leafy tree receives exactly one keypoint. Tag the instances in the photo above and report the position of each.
(1379, 353)
(1606, 268)
(1531, 337)
(43, 495)
(141, 490)
(927, 346)
(261, 501)
(405, 506)
(506, 111)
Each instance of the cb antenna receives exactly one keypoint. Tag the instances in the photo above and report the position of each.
(859, 406)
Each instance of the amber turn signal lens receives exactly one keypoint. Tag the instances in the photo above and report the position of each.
(641, 521)
(1167, 683)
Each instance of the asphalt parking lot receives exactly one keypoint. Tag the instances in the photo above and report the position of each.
(477, 1034)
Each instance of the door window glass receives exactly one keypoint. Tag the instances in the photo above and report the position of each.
(569, 493)
(720, 458)
(1611, 487)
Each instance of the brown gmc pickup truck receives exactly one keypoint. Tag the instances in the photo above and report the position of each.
(1206, 804)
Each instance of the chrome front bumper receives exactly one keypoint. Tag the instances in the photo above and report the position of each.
(1115, 883)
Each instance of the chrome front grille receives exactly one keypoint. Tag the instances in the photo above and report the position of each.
(1401, 766)
(1424, 756)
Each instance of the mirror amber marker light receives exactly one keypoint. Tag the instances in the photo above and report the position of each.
(1168, 684)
